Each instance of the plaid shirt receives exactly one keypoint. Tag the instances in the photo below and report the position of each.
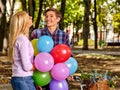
(59, 36)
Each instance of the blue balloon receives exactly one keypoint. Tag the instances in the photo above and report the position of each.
(72, 65)
(45, 43)
(58, 85)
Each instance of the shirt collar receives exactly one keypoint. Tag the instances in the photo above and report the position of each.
(47, 31)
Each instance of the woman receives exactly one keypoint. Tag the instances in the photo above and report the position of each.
(52, 18)
(21, 52)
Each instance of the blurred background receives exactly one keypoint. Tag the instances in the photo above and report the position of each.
(88, 22)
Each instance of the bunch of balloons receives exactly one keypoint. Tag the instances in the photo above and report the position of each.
(53, 64)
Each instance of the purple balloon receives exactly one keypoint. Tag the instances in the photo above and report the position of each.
(44, 62)
(58, 85)
(60, 71)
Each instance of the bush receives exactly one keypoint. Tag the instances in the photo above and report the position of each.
(90, 42)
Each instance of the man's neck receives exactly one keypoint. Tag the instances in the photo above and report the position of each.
(52, 29)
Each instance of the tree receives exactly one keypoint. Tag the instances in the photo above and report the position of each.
(39, 13)
(12, 8)
(3, 23)
(73, 15)
(31, 8)
(62, 10)
(24, 5)
(86, 23)
(116, 18)
(95, 25)
(99, 20)
(116, 23)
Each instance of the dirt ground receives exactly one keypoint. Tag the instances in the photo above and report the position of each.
(86, 62)
(100, 62)
(101, 65)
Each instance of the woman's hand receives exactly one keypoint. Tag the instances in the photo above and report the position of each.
(33, 68)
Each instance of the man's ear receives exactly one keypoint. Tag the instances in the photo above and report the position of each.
(58, 19)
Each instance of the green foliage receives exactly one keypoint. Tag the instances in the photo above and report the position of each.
(74, 13)
(116, 22)
(95, 76)
(90, 42)
(84, 76)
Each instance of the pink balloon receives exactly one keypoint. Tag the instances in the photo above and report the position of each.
(44, 62)
(60, 71)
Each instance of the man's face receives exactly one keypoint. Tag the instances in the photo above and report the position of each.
(51, 19)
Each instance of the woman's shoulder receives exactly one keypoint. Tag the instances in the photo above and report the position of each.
(22, 38)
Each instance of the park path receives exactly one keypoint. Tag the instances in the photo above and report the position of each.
(105, 51)
(114, 53)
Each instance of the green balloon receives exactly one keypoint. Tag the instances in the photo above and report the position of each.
(41, 78)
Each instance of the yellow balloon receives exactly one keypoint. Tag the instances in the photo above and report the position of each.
(34, 44)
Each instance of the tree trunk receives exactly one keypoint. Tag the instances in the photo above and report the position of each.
(95, 25)
(24, 7)
(3, 25)
(31, 8)
(51, 3)
(62, 10)
(86, 24)
(12, 8)
(39, 14)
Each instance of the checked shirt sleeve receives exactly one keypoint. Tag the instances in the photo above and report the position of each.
(35, 34)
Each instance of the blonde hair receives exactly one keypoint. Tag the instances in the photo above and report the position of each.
(18, 25)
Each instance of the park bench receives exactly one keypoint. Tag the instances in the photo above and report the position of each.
(113, 44)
